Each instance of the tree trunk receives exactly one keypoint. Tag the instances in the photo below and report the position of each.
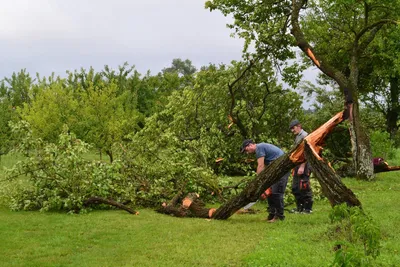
(110, 155)
(361, 148)
(362, 157)
(330, 182)
(270, 175)
(392, 114)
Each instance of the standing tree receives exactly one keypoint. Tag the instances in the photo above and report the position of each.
(229, 103)
(183, 67)
(334, 35)
(382, 79)
(102, 109)
(52, 107)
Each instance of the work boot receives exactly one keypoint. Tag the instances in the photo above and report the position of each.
(308, 206)
(275, 219)
(270, 216)
(296, 210)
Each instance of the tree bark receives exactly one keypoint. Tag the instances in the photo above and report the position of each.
(191, 206)
(392, 115)
(330, 182)
(361, 148)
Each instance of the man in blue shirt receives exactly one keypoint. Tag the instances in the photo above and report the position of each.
(265, 154)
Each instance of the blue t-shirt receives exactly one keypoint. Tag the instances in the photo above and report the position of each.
(268, 151)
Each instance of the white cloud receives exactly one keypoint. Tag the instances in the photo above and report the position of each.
(54, 35)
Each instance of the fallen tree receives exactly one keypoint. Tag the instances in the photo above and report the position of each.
(331, 184)
(308, 150)
(380, 165)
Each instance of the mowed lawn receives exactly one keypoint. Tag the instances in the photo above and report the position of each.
(117, 238)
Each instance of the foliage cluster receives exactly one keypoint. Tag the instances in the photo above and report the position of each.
(57, 175)
(60, 178)
(163, 148)
(359, 236)
(382, 145)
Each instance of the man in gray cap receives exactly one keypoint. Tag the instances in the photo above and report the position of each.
(301, 187)
(265, 154)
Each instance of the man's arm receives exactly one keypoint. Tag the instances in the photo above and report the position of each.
(260, 165)
(300, 171)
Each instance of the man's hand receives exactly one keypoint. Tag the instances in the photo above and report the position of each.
(266, 194)
(300, 171)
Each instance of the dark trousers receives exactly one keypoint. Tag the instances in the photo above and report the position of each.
(275, 200)
(301, 189)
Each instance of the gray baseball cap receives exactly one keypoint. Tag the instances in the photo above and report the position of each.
(293, 123)
(245, 144)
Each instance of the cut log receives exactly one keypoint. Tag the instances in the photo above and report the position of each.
(177, 211)
(380, 165)
(191, 206)
(391, 168)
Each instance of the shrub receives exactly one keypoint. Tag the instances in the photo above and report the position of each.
(381, 145)
(58, 177)
(359, 243)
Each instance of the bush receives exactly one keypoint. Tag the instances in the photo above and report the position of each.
(359, 237)
(58, 177)
(381, 145)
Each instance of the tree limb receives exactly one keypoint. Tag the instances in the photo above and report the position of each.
(235, 119)
(303, 44)
(100, 200)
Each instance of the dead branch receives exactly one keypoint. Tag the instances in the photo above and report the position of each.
(100, 200)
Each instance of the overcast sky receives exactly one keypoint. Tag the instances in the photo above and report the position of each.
(48, 36)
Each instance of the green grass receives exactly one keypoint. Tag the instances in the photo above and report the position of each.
(116, 238)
